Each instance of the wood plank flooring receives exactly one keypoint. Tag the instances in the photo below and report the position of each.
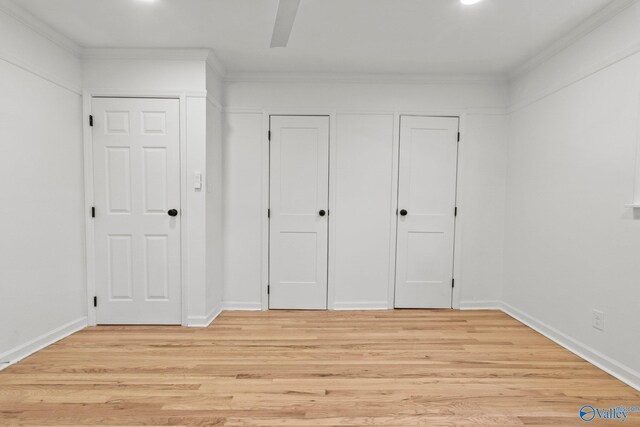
(313, 368)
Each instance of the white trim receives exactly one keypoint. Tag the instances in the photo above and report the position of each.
(215, 64)
(332, 206)
(43, 74)
(241, 306)
(145, 93)
(575, 78)
(87, 97)
(184, 189)
(20, 352)
(146, 53)
(257, 77)
(393, 222)
(204, 321)
(480, 305)
(265, 176)
(87, 145)
(458, 220)
(361, 305)
(36, 25)
(622, 372)
(215, 102)
(594, 21)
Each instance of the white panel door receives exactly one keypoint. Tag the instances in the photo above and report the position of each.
(136, 164)
(426, 206)
(299, 194)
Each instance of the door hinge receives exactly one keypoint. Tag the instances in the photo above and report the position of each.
(455, 211)
(458, 136)
(93, 211)
(91, 120)
(269, 135)
(95, 301)
(268, 213)
(268, 289)
(453, 283)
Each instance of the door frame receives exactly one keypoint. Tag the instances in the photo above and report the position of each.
(330, 200)
(87, 141)
(267, 112)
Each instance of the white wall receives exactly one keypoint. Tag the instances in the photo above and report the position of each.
(214, 189)
(242, 210)
(571, 244)
(361, 111)
(42, 273)
(362, 191)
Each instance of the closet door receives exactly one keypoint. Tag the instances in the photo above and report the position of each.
(298, 223)
(426, 211)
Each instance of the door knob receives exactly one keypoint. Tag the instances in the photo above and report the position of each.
(403, 212)
(173, 212)
(322, 213)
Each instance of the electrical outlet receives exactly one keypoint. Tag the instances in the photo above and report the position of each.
(597, 319)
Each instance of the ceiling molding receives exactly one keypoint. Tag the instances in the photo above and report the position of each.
(596, 20)
(144, 53)
(247, 77)
(216, 65)
(21, 15)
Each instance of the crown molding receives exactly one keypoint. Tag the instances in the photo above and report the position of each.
(596, 20)
(215, 64)
(169, 54)
(9, 8)
(144, 53)
(371, 78)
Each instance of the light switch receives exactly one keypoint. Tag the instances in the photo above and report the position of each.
(197, 181)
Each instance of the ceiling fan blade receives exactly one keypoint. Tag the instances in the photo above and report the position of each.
(287, 10)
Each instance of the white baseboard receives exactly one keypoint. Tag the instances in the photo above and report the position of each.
(243, 306)
(622, 372)
(20, 352)
(204, 321)
(480, 305)
(361, 305)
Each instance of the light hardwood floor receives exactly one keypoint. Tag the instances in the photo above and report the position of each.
(393, 368)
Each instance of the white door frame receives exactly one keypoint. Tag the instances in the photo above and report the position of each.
(87, 137)
(455, 196)
(332, 113)
(329, 200)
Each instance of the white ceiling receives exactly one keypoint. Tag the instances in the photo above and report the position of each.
(329, 36)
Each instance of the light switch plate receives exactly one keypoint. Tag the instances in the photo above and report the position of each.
(597, 320)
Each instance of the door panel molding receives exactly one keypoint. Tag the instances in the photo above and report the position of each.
(87, 98)
(427, 187)
(299, 207)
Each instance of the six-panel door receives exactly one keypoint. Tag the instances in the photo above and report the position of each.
(299, 193)
(426, 206)
(136, 166)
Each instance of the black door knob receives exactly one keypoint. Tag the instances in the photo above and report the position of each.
(403, 212)
(173, 212)
(322, 213)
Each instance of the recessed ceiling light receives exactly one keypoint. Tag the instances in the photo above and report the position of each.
(468, 2)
